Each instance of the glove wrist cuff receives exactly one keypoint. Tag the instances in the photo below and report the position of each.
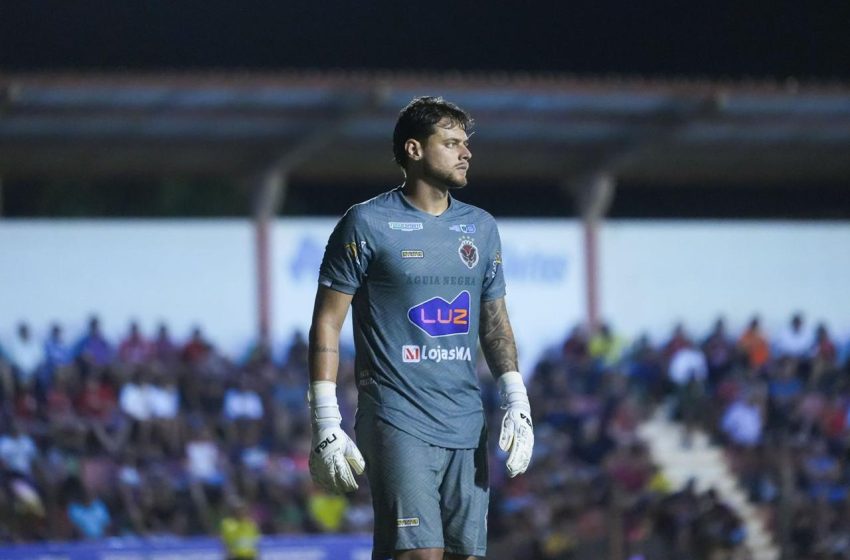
(510, 378)
(512, 390)
(322, 399)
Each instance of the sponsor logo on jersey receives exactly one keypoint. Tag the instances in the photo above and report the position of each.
(468, 252)
(405, 226)
(463, 228)
(365, 377)
(410, 254)
(412, 354)
(434, 280)
(408, 522)
(438, 317)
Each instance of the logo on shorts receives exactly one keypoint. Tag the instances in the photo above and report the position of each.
(405, 226)
(409, 254)
(468, 252)
(438, 317)
(408, 522)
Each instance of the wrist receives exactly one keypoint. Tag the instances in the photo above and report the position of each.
(512, 390)
(323, 404)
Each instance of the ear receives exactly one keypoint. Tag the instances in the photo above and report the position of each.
(413, 149)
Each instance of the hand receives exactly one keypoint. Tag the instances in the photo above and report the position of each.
(517, 435)
(333, 458)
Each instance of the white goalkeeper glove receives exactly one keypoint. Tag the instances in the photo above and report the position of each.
(334, 455)
(517, 435)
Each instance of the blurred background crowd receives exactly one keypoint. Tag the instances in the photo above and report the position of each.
(154, 436)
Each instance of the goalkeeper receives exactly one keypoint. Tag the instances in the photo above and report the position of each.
(422, 272)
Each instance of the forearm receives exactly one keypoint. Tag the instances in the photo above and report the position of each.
(497, 338)
(323, 356)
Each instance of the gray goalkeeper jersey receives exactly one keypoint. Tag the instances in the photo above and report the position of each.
(418, 282)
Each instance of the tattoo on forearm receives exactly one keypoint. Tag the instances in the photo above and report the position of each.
(497, 337)
(324, 350)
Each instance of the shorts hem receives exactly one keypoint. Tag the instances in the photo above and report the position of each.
(465, 552)
(412, 546)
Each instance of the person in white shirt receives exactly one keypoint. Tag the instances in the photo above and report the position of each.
(742, 422)
(25, 354)
(688, 364)
(163, 404)
(243, 408)
(135, 403)
(795, 341)
(688, 371)
(18, 453)
(206, 466)
(133, 398)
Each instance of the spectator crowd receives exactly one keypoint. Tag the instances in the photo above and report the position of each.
(158, 437)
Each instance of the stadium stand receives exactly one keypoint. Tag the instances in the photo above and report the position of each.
(156, 437)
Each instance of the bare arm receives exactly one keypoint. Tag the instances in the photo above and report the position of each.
(329, 313)
(497, 337)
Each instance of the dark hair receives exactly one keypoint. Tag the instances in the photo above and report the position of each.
(418, 119)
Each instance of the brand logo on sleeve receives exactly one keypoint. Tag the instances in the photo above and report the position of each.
(408, 522)
(405, 226)
(409, 254)
(463, 228)
(438, 317)
(351, 250)
(468, 252)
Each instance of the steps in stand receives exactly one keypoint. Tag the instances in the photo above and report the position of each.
(704, 462)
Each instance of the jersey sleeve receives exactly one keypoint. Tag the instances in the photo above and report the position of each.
(347, 254)
(494, 278)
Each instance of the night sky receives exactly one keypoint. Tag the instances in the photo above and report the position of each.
(778, 39)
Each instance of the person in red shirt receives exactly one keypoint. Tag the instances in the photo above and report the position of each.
(197, 349)
(163, 349)
(134, 349)
(96, 401)
(64, 423)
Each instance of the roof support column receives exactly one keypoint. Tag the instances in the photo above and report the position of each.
(594, 194)
(271, 190)
(269, 194)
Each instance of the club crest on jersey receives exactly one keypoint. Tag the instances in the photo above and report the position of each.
(438, 317)
(468, 252)
(463, 228)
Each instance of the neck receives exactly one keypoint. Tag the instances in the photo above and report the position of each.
(427, 197)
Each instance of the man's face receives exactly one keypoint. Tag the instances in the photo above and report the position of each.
(446, 155)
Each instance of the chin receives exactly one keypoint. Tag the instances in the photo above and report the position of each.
(457, 182)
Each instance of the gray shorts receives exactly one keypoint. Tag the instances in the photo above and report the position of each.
(424, 496)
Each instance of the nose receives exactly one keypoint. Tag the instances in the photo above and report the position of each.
(465, 154)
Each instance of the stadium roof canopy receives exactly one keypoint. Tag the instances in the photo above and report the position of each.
(336, 126)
